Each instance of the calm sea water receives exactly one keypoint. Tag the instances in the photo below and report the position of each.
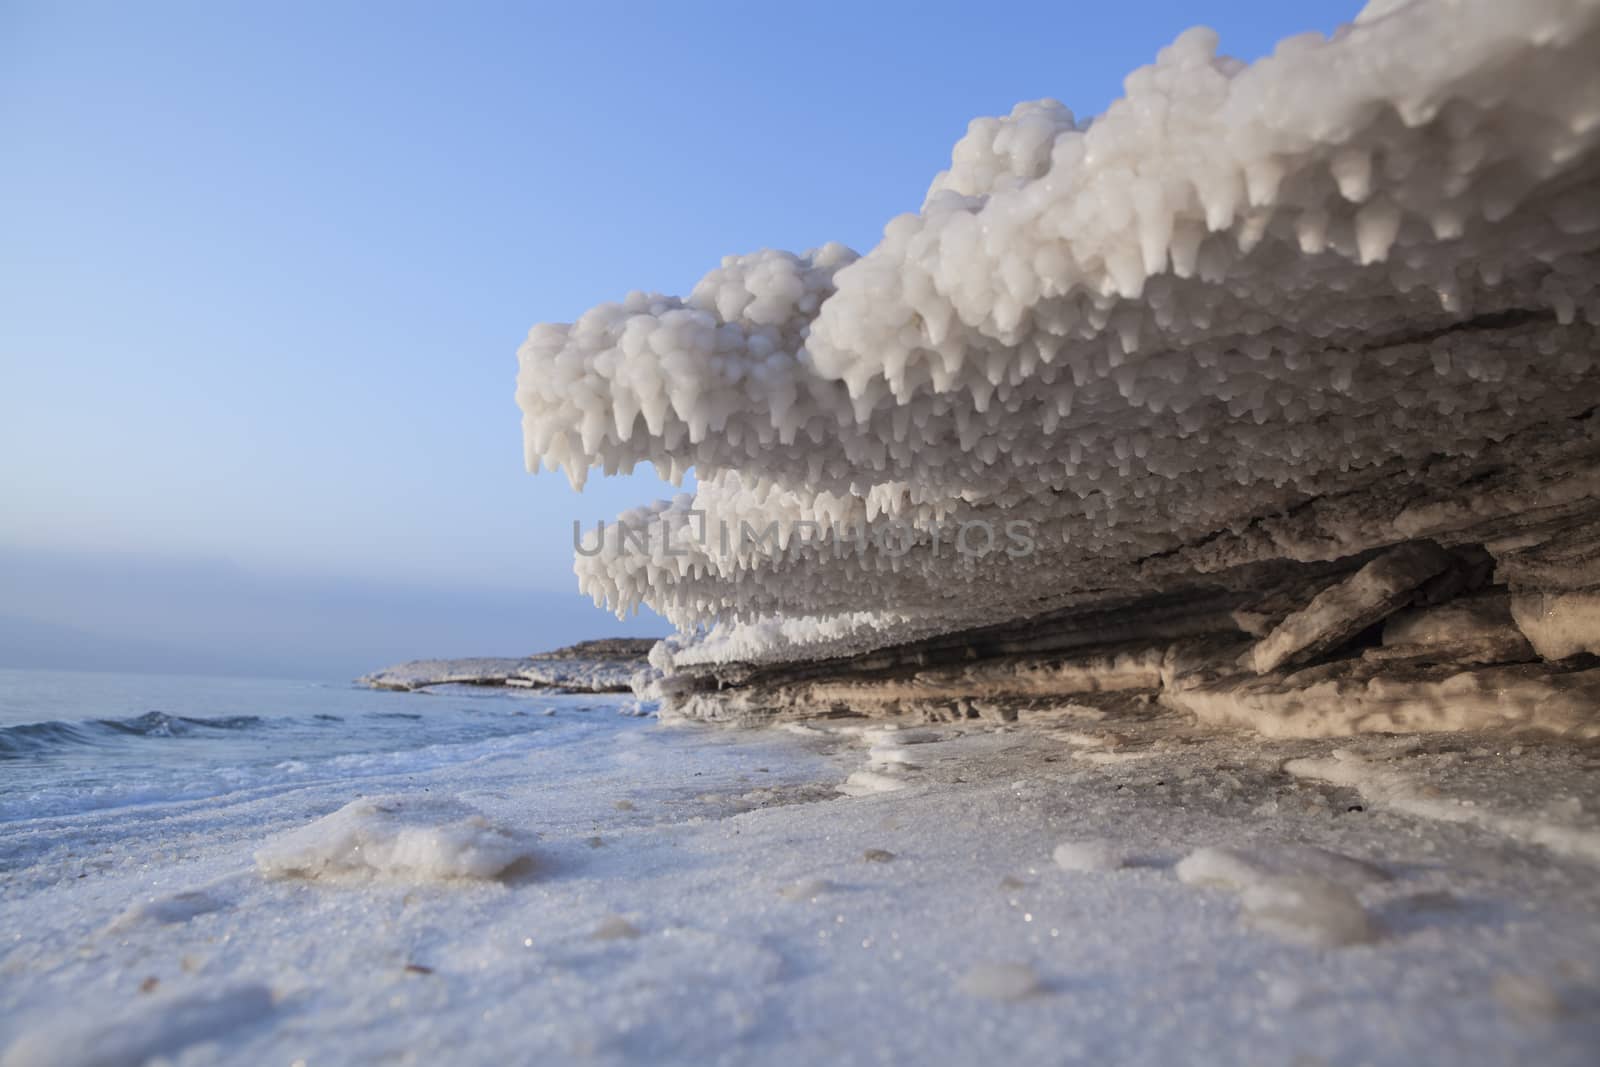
(75, 742)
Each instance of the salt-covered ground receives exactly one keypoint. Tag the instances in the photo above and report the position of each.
(1077, 887)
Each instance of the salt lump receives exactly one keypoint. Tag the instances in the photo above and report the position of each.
(167, 910)
(1299, 893)
(1000, 981)
(1241, 287)
(1309, 911)
(1242, 869)
(408, 837)
(1095, 855)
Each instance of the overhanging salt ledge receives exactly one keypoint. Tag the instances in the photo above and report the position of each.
(1225, 349)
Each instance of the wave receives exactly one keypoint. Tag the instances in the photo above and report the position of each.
(126, 782)
(31, 739)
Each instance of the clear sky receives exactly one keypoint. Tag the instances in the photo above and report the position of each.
(264, 268)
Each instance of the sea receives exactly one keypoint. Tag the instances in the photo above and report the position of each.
(73, 742)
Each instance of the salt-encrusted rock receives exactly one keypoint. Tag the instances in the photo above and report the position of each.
(605, 666)
(1476, 629)
(1559, 625)
(1159, 376)
(602, 648)
(1242, 288)
(421, 673)
(1343, 610)
(1361, 696)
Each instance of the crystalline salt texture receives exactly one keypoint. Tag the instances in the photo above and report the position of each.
(1126, 333)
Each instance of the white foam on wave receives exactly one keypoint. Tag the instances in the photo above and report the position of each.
(158, 786)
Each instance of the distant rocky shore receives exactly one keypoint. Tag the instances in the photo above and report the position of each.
(602, 666)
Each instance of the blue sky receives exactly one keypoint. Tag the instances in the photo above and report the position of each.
(264, 268)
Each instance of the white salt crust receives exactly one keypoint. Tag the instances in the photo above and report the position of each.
(729, 911)
(154, 1032)
(1233, 289)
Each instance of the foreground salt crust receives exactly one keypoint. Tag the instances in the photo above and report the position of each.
(707, 897)
(1001, 981)
(407, 836)
(164, 1028)
(1240, 288)
(1391, 787)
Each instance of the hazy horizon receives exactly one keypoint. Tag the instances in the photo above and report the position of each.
(67, 610)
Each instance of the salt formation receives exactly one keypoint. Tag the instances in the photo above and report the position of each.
(1389, 788)
(602, 666)
(1241, 869)
(1206, 353)
(1096, 855)
(167, 910)
(408, 837)
(1300, 893)
(1000, 981)
(1309, 911)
